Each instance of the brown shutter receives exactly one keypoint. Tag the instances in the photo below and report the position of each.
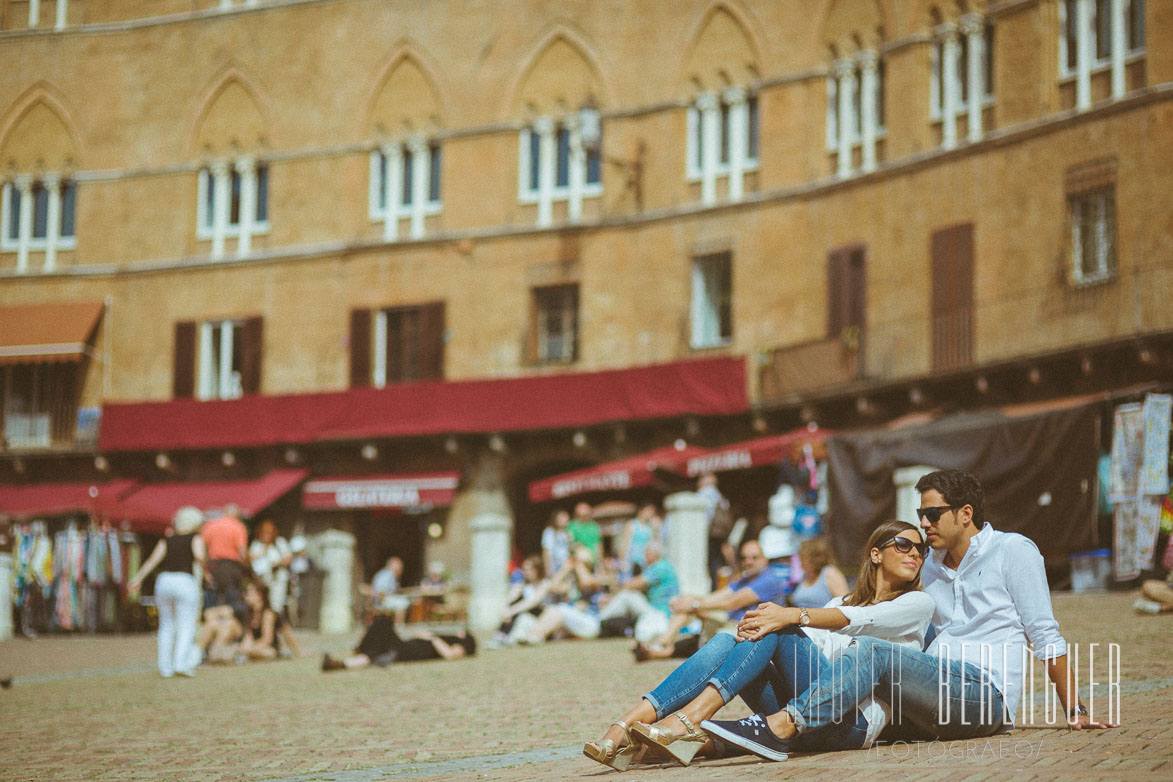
(952, 304)
(576, 319)
(530, 335)
(252, 340)
(431, 342)
(857, 286)
(836, 296)
(360, 348)
(183, 370)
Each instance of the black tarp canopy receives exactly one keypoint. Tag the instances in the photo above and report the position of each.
(1038, 470)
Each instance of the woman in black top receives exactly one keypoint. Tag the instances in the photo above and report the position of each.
(177, 593)
(263, 627)
(381, 645)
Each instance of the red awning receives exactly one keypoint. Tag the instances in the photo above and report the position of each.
(34, 333)
(772, 449)
(57, 499)
(704, 387)
(629, 473)
(151, 506)
(380, 491)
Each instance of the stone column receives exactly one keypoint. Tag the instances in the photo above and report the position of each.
(226, 390)
(246, 168)
(688, 541)
(205, 388)
(577, 170)
(869, 121)
(337, 559)
(221, 194)
(6, 593)
(547, 163)
(489, 571)
(419, 184)
(392, 185)
(710, 120)
(907, 497)
(52, 185)
(34, 13)
(1083, 54)
(1119, 48)
(950, 99)
(62, 14)
(973, 27)
(738, 140)
(24, 191)
(844, 71)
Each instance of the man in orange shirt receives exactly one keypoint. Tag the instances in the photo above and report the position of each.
(227, 542)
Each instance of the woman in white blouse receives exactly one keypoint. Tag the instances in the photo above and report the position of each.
(887, 603)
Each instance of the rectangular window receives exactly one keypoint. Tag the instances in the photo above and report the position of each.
(832, 113)
(726, 130)
(408, 177)
(219, 375)
(846, 293)
(594, 163)
(754, 136)
(68, 208)
(555, 326)
(39, 403)
(712, 300)
(535, 158)
(10, 211)
(380, 169)
(1069, 41)
(40, 211)
(695, 145)
(1136, 25)
(434, 173)
(408, 344)
(988, 61)
(262, 193)
(1103, 28)
(206, 218)
(562, 164)
(1093, 236)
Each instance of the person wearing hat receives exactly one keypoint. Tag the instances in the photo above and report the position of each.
(177, 592)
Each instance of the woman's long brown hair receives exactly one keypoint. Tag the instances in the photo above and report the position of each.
(865, 587)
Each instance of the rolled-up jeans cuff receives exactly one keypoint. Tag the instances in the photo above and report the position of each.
(726, 695)
(650, 698)
(796, 717)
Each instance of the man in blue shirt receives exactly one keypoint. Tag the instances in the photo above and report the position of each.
(646, 597)
(756, 584)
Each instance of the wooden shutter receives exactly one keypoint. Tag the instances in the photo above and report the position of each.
(252, 340)
(431, 341)
(183, 369)
(360, 348)
(952, 303)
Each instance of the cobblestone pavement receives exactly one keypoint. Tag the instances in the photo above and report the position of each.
(93, 708)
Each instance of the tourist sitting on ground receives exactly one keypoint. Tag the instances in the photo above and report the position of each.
(821, 579)
(580, 588)
(636, 535)
(1158, 596)
(264, 628)
(756, 584)
(645, 598)
(219, 634)
(524, 603)
(777, 653)
(384, 591)
(556, 541)
(381, 646)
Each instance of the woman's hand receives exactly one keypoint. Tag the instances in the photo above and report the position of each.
(766, 618)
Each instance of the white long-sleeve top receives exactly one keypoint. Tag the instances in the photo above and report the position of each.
(997, 598)
(903, 620)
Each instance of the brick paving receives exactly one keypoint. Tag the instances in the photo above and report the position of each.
(92, 708)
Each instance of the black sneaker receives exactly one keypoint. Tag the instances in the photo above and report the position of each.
(751, 733)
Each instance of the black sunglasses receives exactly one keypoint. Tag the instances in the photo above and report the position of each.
(932, 514)
(904, 546)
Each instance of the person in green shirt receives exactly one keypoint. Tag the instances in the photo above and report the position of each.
(585, 530)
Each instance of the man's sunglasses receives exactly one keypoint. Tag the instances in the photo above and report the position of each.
(932, 514)
(904, 546)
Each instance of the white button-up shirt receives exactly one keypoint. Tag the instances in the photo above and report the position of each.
(991, 607)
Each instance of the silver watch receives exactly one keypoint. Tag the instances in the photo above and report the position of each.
(1079, 711)
(804, 618)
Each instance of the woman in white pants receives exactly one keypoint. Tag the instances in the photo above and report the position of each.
(177, 593)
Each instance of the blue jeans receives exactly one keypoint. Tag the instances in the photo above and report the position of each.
(744, 668)
(952, 701)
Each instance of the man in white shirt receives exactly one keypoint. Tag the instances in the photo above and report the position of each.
(991, 596)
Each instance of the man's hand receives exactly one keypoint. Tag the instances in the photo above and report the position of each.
(766, 618)
(682, 604)
(1088, 722)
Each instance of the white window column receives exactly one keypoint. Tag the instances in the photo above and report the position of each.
(1083, 54)
(710, 115)
(207, 373)
(738, 138)
(24, 188)
(973, 27)
(221, 195)
(52, 185)
(950, 53)
(392, 184)
(62, 13)
(246, 168)
(547, 161)
(576, 175)
(379, 365)
(225, 388)
(419, 184)
(868, 74)
(1119, 45)
(844, 71)
(34, 13)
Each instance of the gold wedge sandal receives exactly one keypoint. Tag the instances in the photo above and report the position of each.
(681, 748)
(605, 751)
